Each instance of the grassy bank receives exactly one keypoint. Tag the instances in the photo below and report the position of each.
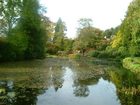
(133, 64)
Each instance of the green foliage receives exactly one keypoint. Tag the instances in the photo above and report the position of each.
(108, 53)
(20, 41)
(93, 53)
(49, 28)
(30, 24)
(117, 40)
(109, 33)
(85, 22)
(77, 56)
(68, 45)
(123, 51)
(105, 54)
(9, 13)
(59, 34)
(52, 49)
(88, 36)
(7, 51)
(132, 64)
(127, 40)
(23, 28)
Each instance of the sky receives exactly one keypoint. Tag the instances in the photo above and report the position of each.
(104, 13)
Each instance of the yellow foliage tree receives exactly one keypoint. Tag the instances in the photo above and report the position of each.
(117, 40)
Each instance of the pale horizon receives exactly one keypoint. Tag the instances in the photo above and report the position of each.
(104, 13)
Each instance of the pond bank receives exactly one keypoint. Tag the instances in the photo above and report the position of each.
(102, 61)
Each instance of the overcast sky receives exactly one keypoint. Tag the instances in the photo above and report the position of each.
(104, 13)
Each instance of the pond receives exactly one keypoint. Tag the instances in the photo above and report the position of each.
(67, 82)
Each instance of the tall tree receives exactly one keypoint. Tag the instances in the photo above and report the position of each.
(30, 24)
(59, 34)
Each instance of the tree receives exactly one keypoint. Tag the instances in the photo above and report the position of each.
(9, 14)
(30, 24)
(68, 45)
(130, 31)
(24, 29)
(85, 22)
(59, 34)
(49, 28)
(109, 33)
(88, 36)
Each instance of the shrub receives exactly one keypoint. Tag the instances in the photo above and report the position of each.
(93, 53)
(20, 43)
(7, 51)
(103, 54)
(133, 64)
(75, 56)
(52, 49)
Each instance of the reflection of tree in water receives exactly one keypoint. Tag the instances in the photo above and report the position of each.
(30, 80)
(85, 70)
(14, 95)
(3, 92)
(80, 90)
(56, 79)
(26, 96)
(127, 85)
(85, 74)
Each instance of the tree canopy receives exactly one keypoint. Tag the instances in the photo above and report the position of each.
(88, 36)
(128, 38)
(22, 28)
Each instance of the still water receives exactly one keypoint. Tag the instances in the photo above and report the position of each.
(67, 82)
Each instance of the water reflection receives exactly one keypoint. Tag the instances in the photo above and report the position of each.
(128, 86)
(56, 77)
(80, 89)
(25, 95)
(10, 94)
(66, 82)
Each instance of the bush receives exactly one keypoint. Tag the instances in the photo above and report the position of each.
(93, 53)
(52, 49)
(133, 64)
(104, 54)
(75, 56)
(7, 51)
(20, 43)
